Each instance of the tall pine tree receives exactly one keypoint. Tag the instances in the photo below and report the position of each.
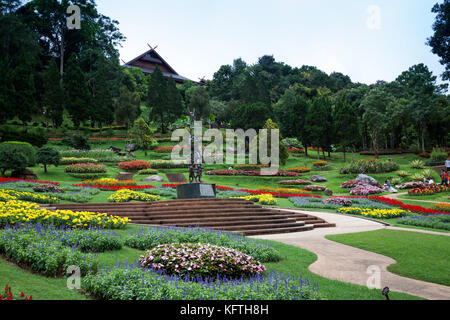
(157, 98)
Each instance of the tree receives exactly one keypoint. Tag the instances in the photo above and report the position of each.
(318, 123)
(420, 88)
(127, 107)
(440, 42)
(346, 125)
(18, 60)
(198, 102)
(290, 112)
(250, 116)
(375, 118)
(48, 156)
(77, 98)
(141, 135)
(16, 156)
(53, 96)
(283, 152)
(157, 97)
(174, 101)
(135, 81)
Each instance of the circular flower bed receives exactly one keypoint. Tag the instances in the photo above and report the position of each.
(47, 188)
(365, 189)
(126, 195)
(200, 259)
(134, 165)
(339, 201)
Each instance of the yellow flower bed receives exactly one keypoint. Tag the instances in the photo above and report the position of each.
(126, 195)
(283, 190)
(16, 212)
(109, 182)
(373, 213)
(6, 195)
(266, 199)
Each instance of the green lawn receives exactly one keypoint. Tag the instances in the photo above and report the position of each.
(419, 256)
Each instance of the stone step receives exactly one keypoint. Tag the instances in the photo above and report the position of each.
(217, 222)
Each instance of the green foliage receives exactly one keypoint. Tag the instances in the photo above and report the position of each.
(250, 116)
(141, 135)
(78, 142)
(438, 155)
(439, 41)
(34, 137)
(128, 106)
(48, 156)
(417, 164)
(198, 101)
(27, 158)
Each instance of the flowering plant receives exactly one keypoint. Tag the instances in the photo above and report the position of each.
(295, 182)
(109, 182)
(320, 163)
(249, 173)
(134, 165)
(9, 296)
(200, 260)
(339, 201)
(47, 188)
(126, 195)
(85, 168)
(351, 183)
(412, 185)
(365, 189)
(296, 150)
(315, 188)
(299, 169)
(432, 189)
(374, 213)
(441, 207)
(7, 195)
(369, 166)
(2, 180)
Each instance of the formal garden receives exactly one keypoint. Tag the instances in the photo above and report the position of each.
(78, 127)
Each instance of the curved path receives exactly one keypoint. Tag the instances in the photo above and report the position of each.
(348, 264)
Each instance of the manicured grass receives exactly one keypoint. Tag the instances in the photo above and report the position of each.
(439, 197)
(419, 256)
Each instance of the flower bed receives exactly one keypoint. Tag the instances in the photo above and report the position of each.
(412, 185)
(431, 189)
(109, 182)
(365, 189)
(16, 212)
(264, 199)
(167, 164)
(295, 182)
(319, 164)
(374, 213)
(134, 165)
(343, 202)
(283, 190)
(299, 169)
(143, 284)
(280, 195)
(200, 259)
(8, 195)
(49, 188)
(68, 161)
(296, 150)
(314, 188)
(369, 166)
(126, 195)
(85, 168)
(5, 180)
(435, 221)
(441, 207)
(249, 173)
(351, 184)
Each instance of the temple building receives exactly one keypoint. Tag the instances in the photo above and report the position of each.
(149, 60)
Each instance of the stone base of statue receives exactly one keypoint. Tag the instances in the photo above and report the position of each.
(196, 191)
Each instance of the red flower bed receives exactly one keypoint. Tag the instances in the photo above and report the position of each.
(420, 209)
(134, 165)
(113, 188)
(281, 195)
(389, 201)
(174, 185)
(32, 181)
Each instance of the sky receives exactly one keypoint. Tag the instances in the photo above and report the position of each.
(366, 40)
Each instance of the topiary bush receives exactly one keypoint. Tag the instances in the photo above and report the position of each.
(201, 259)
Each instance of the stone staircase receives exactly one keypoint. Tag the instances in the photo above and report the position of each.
(235, 215)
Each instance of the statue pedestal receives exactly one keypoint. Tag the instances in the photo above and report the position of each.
(196, 191)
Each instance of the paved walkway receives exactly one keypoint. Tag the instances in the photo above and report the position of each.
(348, 264)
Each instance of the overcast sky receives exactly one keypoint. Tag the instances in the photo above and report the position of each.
(366, 40)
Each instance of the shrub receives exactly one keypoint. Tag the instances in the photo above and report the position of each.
(67, 161)
(134, 165)
(402, 173)
(11, 160)
(396, 181)
(23, 148)
(85, 168)
(413, 184)
(417, 177)
(77, 142)
(167, 164)
(369, 166)
(364, 190)
(48, 156)
(147, 171)
(427, 174)
(417, 164)
(200, 259)
(36, 139)
(438, 155)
